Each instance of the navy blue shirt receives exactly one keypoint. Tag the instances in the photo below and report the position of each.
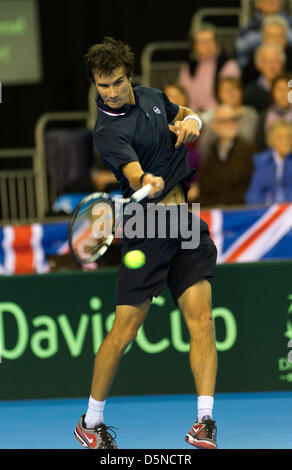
(139, 132)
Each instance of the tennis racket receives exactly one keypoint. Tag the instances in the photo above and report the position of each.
(95, 221)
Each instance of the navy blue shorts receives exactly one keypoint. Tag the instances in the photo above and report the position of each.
(167, 263)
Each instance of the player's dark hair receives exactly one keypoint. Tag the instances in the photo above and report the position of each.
(107, 56)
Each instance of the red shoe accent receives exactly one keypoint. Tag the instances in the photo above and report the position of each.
(90, 438)
(202, 445)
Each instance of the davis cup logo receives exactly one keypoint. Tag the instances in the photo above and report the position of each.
(156, 110)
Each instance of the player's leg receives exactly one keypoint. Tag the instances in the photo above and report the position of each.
(91, 431)
(196, 306)
(128, 320)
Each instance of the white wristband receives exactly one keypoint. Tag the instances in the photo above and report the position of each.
(196, 118)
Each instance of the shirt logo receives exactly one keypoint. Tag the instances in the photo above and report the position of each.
(156, 110)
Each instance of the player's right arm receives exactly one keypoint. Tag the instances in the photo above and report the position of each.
(133, 172)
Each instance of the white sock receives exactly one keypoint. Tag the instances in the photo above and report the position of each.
(205, 406)
(94, 413)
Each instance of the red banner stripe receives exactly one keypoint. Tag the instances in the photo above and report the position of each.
(207, 217)
(24, 257)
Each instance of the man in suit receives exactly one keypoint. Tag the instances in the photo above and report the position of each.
(225, 170)
(270, 61)
(275, 30)
(272, 176)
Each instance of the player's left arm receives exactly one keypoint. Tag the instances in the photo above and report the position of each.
(186, 128)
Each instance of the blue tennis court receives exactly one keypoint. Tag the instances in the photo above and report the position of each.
(244, 420)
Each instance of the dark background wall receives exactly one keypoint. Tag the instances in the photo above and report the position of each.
(68, 28)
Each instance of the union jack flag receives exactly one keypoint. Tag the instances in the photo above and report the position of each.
(248, 235)
(244, 235)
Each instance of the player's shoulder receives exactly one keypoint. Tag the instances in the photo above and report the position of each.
(104, 132)
(147, 91)
(150, 97)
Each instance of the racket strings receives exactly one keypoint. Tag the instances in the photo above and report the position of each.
(91, 229)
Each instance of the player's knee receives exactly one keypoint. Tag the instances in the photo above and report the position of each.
(130, 335)
(125, 336)
(200, 321)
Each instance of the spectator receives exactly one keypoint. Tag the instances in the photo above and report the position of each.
(280, 109)
(206, 64)
(177, 95)
(229, 91)
(103, 181)
(225, 171)
(270, 61)
(274, 31)
(272, 176)
(250, 37)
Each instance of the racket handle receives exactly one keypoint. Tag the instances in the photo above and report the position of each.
(141, 193)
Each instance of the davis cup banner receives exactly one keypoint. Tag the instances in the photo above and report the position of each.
(51, 327)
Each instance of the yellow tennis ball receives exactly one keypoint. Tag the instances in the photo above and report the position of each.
(134, 259)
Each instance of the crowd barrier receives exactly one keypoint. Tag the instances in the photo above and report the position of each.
(52, 325)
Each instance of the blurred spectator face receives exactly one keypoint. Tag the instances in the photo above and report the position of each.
(269, 7)
(175, 95)
(275, 34)
(205, 45)
(230, 93)
(280, 139)
(225, 122)
(280, 93)
(269, 63)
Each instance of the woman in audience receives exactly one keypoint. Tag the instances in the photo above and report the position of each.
(229, 91)
(280, 108)
(272, 175)
(206, 64)
(176, 93)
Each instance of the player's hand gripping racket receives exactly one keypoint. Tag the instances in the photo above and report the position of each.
(93, 223)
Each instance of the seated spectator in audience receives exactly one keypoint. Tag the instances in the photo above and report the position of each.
(225, 171)
(274, 31)
(270, 61)
(280, 109)
(229, 91)
(272, 175)
(175, 92)
(102, 179)
(250, 37)
(206, 64)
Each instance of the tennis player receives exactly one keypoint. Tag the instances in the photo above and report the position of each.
(140, 135)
